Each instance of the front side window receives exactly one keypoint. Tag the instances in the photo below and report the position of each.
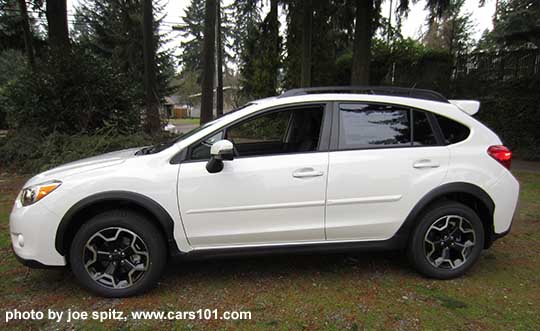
(278, 132)
(373, 125)
(201, 151)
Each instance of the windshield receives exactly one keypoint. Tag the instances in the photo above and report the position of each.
(164, 145)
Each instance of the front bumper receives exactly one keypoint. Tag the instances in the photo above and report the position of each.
(33, 263)
(33, 231)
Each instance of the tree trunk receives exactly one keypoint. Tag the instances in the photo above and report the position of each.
(273, 22)
(363, 33)
(209, 43)
(56, 12)
(307, 29)
(29, 47)
(153, 122)
(219, 53)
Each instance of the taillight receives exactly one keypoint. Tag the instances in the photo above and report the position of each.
(501, 154)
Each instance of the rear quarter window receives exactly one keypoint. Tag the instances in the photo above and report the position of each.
(453, 132)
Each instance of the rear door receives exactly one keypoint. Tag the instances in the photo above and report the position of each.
(384, 158)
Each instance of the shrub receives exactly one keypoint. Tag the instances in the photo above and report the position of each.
(12, 65)
(28, 152)
(511, 108)
(73, 92)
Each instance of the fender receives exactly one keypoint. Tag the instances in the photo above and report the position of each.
(166, 224)
(402, 235)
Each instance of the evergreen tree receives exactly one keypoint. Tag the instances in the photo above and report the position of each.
(452, 31)
(486, 42)
(332, 31)
(192, 31)
(246, 17)
(27, 34)
(113, 29)
(57, 24)
(261, 57)
(366, 23)
(208, 61)
(518, 22)
(12, 23)
(151, 100)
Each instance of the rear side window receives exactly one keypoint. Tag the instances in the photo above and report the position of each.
(373, 125)
(452, 131)
(422, 130)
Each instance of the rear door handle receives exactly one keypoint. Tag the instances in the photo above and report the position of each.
(421, 164)
(307, 172)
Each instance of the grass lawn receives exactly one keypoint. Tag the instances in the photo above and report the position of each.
(184, 121)
(331, 292)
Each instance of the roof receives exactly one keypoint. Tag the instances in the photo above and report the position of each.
(372, 90)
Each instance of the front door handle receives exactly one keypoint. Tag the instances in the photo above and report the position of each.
(306, 172)
(421, 164)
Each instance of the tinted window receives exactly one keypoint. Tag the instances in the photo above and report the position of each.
(453, 131)
(422, 131)
(267, 128)
(372, 125)
(287, 131)
(201, 151)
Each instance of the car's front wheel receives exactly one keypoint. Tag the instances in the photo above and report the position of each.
(447, 241)
(118, 253)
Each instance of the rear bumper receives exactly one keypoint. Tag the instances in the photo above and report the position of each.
(505, 196)
(495, 236)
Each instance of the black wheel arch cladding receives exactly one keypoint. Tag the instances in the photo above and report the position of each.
(107, 200)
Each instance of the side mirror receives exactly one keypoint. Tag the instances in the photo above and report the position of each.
(221, 150)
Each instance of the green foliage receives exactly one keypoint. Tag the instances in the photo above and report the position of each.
(518, 22)
(11, 28)
(246, 16)
(511, 108)
(71, 92)
(25, 151)
(486, 42)
(112, 29)
(260, 64)
(452, 30)
(332, 36)
(192, 31)
(12, 64)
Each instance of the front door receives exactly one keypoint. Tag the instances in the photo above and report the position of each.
(273, 192)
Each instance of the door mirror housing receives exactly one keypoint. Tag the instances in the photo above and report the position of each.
(221, 150)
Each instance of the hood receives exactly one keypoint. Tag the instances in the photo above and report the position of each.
(91, 163)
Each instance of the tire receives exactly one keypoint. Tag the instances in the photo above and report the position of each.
(135, 259)
(427, 245)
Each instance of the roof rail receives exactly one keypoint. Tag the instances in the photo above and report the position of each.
(376, 90)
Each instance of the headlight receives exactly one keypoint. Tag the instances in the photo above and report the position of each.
(33, 194)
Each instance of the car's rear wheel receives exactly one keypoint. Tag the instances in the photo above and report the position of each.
(118, 253)
(447, 241)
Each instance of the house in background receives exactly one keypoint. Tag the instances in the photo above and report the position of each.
(172, 107)
(228, 102)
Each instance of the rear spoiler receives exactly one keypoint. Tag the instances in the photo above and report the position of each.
(470, 107)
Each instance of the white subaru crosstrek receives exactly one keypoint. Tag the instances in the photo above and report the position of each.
(315, 169)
